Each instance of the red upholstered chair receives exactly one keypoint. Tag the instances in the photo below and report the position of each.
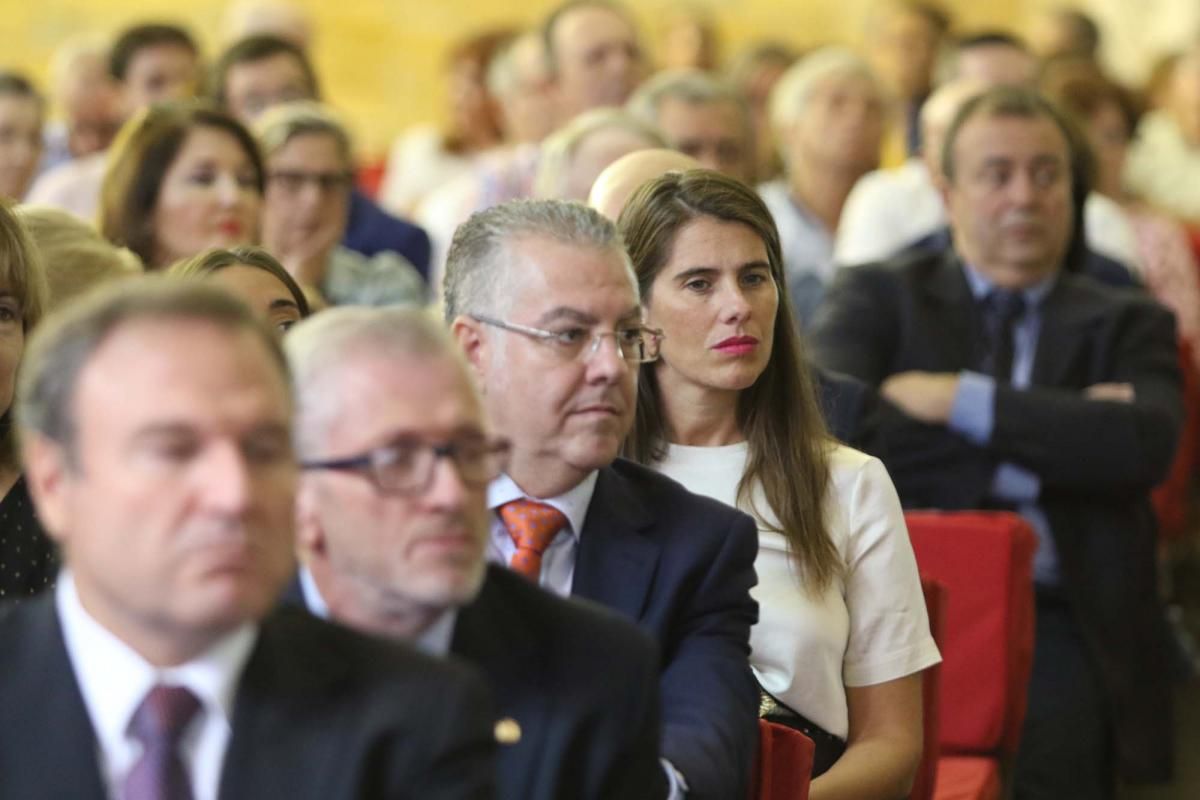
(968, 778)
(783, 766)
(1173, 497)
(926, 778)
(985, 561)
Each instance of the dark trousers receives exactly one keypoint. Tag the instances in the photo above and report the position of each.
(1066, 747)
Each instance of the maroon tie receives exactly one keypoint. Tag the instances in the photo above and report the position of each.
(532, 526)
(158, 724)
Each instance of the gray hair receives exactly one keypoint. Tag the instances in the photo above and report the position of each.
(479, 256)
(65, 342)
(558, 151)
(791, 93)
(280, 124)
(691, 86)
(318, 349)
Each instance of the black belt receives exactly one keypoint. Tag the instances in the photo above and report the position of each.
(829, 748)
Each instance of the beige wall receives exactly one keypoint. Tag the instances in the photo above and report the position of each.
(379, 59)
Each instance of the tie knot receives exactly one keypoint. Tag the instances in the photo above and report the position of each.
(531, 524)
(1006, 305)
(163, 714)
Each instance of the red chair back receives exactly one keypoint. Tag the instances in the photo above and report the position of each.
(1173, 497)
(783, 766)
(985, 562)
(926, 777)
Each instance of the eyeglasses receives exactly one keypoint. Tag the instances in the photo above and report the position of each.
(405, 466)
(637, 344)
(294, 180)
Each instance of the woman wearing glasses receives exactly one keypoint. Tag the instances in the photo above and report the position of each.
(729, 411)
(307, 202)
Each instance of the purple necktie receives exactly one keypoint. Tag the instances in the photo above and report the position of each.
(158, 724)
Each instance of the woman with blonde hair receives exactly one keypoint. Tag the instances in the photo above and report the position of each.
(729, 410)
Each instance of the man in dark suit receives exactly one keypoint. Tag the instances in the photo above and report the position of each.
(392, 540)
(543, 300)
(1012, 383)
(156, 436)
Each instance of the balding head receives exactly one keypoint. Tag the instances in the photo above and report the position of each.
(620, 180)
(937, 113)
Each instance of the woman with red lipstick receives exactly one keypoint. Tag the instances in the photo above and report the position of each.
(729, 410)
(182, 178)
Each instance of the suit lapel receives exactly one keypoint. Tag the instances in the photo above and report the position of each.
(616, 562)
(491, 634)
(1066, 314)
(50, 700)
(284, 680)
(953, 336)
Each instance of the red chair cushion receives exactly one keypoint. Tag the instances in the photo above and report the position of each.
(967, 778)
(926, 777)
(985, 561)
(783, 766)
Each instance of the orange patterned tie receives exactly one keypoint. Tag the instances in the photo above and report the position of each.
(532, 526)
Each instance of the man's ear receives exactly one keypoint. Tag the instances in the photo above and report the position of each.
(469, 334)
(47, 475)
(310, 532)
(944, 188)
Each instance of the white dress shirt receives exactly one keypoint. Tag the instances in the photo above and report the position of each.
(558, 561)
(114, 680)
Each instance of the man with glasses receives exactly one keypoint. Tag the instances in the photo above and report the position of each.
(393, 525)
(543, 300)
(309, 179)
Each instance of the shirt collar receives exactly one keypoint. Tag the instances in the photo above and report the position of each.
(97, 655)
(573, 503)
(1033, 295)
(434, 640)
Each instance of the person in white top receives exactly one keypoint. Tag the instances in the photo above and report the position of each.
(729, 410)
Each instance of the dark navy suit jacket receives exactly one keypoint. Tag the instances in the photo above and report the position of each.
(682, 567)
(582, 683)
(320, 713)
(1096, 460)
(370, 230)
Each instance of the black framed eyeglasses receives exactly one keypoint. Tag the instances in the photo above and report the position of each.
(637, 344)
(292, 181)
(406, 466)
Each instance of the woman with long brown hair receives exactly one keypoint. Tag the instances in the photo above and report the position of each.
(729, 410)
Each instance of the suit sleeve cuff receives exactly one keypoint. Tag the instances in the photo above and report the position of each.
(973, 412)
(1015, 484)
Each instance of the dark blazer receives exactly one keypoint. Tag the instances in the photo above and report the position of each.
(851, 409)
(370, 230)
(1097, 461)
(581, 682)
(682, 566)
(320, 713)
